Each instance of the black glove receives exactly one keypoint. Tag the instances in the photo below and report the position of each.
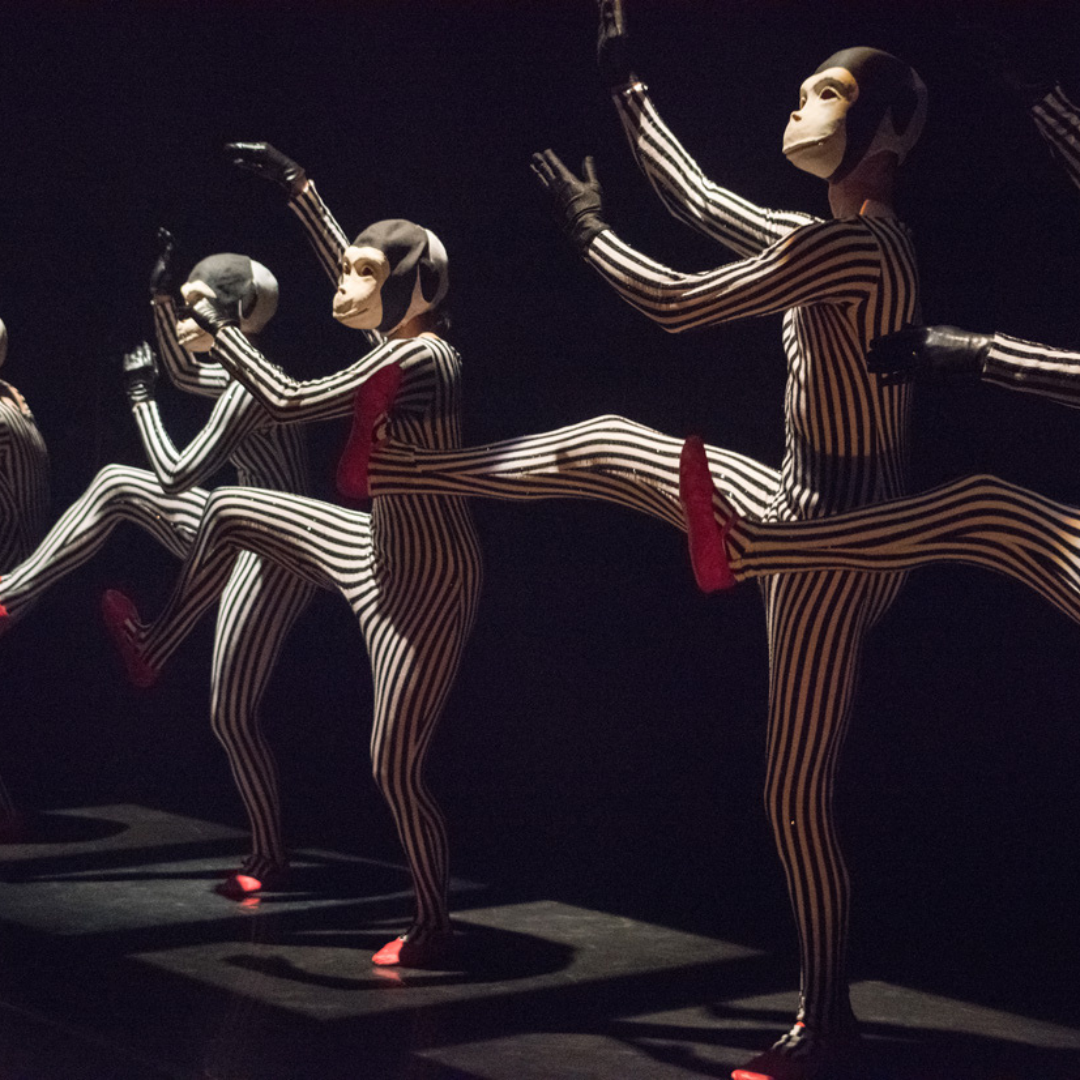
(140, 373)
(263, 160)
(933, 352)
(162, 278)
(578, 203)
(211, 315)
(612, 47)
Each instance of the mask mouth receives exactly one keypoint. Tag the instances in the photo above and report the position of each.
(806, 144)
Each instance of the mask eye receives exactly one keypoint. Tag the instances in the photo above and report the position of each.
(828, 94)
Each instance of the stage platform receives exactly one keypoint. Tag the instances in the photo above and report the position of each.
(120, 963)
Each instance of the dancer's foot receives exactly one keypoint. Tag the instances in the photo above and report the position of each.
(417, 948)
(372, 404)
(803, 1055)
(122, 622)
(707, 538)
(256, 875)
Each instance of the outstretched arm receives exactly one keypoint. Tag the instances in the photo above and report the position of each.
(824, 261)
(943, 353)
(1034, 369)
(291, 401)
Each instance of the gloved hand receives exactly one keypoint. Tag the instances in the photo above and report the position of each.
(162, 277)
(934, 352)
(140, 373)
(612, 47)
(264, 160)
(210, 313)
(578, 203)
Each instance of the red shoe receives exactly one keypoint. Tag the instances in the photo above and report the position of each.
(802, 1055)
(122, 621)
(5, 619)
(416, 949)
(242, 884)
(708, 550)
(373, 402)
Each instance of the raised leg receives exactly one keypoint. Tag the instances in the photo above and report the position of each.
(118, 493)
(607, 458)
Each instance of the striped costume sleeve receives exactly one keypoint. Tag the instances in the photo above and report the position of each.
(1034, 369)
(685, 190)
(830, 261)
(326, 237)
(186, 373)
(290, 401)
(235, 415)
(1058, 121)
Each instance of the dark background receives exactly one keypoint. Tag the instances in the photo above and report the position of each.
(604, 742)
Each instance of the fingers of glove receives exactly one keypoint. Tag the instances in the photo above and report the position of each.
(588, 170)
(542, 169)
(140, 359)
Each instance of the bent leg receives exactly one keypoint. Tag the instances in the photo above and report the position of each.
(273, 524)
(118, 493)
(607, 458)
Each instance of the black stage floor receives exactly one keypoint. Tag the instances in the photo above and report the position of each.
(119, 963)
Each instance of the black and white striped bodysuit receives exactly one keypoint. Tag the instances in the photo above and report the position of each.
(410, 570)
(840, 284)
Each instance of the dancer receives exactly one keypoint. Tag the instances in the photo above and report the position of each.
(261, 601)
(842, 282)
(410, 570)
(24, 512)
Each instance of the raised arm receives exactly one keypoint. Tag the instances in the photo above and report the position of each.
(686, 191)
(325, 235)
(674, 175)
(235, 415)
(185, 372)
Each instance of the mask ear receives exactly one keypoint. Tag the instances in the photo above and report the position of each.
(264, 303)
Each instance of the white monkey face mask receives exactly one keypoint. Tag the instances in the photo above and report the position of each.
(358, 300)
(816, 135)
(393, 271)
(860, 102)
(234, 280)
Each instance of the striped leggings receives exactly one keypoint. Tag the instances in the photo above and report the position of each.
(817, 625)
(259, 603)
(979, 520)
(415, 614)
